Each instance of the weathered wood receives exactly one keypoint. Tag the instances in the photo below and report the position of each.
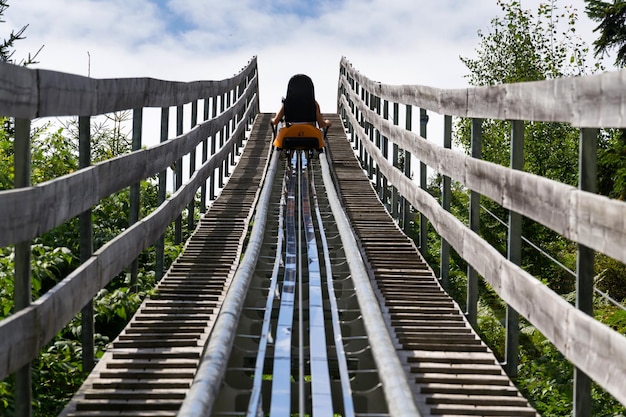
(49, 204)
(437, 345)
(43, 93)
(23, 335)
(561, 207)
(590, 345)
(589, 101)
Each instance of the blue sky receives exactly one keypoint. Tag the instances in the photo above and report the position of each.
(396, 42)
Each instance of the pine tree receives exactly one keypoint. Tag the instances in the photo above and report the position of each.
(612, 27)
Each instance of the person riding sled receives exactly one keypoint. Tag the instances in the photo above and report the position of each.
(302, 117)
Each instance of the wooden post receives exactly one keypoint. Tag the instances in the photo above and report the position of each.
(406, 207)
(162, 193)
(23, 292)
(585, 271)
(133, 215)
(86, 246)
(514, 253)
(178, 177)
(474, 220)
(446, 197)
(423, 186)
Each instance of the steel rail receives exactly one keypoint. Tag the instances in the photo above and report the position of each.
(344, 376)
(254, 404)
(301, 405)
(398, 394)
(321, 397)
(281, 378)
(207, 381)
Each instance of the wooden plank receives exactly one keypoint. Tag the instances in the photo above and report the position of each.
(30, 93)
(18, 91)
(33, 211)
(446, 359)
(589, 101)
(51, 312)
(551, 203)
(568, 328)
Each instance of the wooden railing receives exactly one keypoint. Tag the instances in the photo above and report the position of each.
(28, 211)
(596, 223)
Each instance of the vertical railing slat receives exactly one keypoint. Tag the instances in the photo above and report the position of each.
(405, 206)
(423, 244)
(395, 160)
(23, 289)
(446, 198)
(178, 176)
(474, 223)
(192, 168)
(585, 271)
(514, 252)
(86, 245)
(161, 194)
(135, 205)
(205, 157)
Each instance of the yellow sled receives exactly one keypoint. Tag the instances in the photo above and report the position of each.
(299, 136)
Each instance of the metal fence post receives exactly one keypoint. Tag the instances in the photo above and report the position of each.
(178, 176)
(192, 169)
(406, 207)
(23, 292)
(86, 245)
(213, 149)
(514, 252)
(585, 271)
(384, 195)
(223, 133)
(423, 186)
(446, 197)
(474, 220)
(133, 216)
(162, 193)
(205, 156)
(395, 160)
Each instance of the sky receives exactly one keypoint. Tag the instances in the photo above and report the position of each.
(392, 41)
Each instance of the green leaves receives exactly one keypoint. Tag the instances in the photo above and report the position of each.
(612, 28)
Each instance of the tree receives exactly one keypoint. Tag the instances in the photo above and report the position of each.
(612, 27)
(7, 46)
(526, 46)
(523, 45)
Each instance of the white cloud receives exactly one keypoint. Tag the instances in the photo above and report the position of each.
(396, 42)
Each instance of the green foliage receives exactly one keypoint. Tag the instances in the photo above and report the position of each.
(58, 371)
(523, 46)
(612, 29)
(527, 46)
(612, 164)
(611, 277)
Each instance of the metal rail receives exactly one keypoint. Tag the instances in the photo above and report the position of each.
(203, 392)
(281, 379)
(399, 341)
(398, 393)
(344, 375)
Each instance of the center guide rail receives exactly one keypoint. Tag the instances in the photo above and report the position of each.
(300, 279)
